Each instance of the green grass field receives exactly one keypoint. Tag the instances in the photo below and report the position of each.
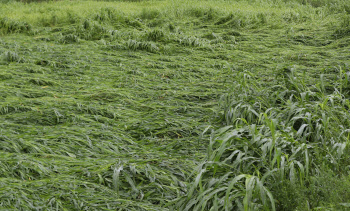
(175, 105)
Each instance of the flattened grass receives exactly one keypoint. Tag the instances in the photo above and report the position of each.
(109, 105)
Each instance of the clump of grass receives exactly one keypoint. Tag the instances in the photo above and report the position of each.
(155, 35)
(344, 28)
(146, 46)
(324, 191)
(110, 15)
(106, 14)
(8, 26)
(293, 16)
(69, 38)
(277, 135)
(72, 18)
(90, 30)
(135, 23)
(190, 41)
(10, 56)
(87, 30)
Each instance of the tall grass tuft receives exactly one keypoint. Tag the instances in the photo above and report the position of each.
(10, 56)
(8, 26)
(344, 28)
(146, 46)
(155, 35)
(275, 137)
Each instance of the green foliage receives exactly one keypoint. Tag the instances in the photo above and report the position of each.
(8, 26)
(278, 137)
(325, 191)
(69, 38)
(174, 105)
(10, 56)
(344, 28)
(155, 35)
(150, 14)
(147, 46)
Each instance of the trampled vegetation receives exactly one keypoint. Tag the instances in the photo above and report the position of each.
(175, 105)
